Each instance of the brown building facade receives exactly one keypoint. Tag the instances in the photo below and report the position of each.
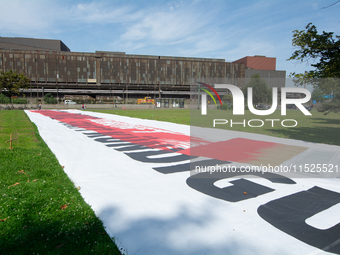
(117, 72)
(258, 62)
(265, 67)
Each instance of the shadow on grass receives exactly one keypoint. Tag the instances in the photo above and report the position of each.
(327, 121)
(56, 237)
(148, 235)
(327, 135)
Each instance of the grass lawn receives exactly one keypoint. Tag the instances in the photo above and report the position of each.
(179, 116)
(318, 128)
(41, 211)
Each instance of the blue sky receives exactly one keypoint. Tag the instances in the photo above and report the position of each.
(211, 29)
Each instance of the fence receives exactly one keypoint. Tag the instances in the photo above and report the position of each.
(7, 100)
(88, 106)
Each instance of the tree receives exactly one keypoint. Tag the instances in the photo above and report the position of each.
(49, 99)
(11, 83)
(227, 98)
(261, 92)
(324, 50)
(318, 95)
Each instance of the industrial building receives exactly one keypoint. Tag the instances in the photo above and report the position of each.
(265, 67)
(52, 67)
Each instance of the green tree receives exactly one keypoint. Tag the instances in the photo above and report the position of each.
(261, 92)
(11, 83)
(4, 99)
(49, 99)
(227, 98)
(324, 50)
(318, 95)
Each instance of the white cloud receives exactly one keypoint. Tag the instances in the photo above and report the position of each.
(102, 13)
(165, 25)
(27, 17)
(46, 17)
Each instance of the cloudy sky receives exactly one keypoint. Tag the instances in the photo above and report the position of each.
(229, 29)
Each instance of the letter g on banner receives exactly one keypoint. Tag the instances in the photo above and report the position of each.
(204, 183)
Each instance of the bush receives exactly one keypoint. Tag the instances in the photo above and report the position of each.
(19, 101)
(225, 107)
(49, 99)
(4, 99)
(7, 100)
(329, 107)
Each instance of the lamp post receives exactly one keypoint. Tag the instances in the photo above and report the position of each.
(198, 96)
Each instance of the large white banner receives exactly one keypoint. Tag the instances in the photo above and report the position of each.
(138, 178)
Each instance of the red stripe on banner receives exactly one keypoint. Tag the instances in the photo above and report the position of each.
(138, 134)
(237, 150)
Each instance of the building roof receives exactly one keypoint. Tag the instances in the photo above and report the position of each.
(20, 43)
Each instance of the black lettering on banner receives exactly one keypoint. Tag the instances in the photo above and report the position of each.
(115, 142)
(128, 137)
(204, 182)
(107, 140)
(289, 214)
(189, 166)
(127, 145)
(144, 156)
(69, 126)
(133, 147)
(119, 144)
(93, 135)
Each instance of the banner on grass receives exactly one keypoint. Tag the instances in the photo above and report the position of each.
(160, 191)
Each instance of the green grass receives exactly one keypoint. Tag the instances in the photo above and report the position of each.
(32, 219)
(17, 124)
(34, 189)
(179, 116)
(318, 128)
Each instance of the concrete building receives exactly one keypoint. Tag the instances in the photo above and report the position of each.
(19, 43)
(52, 67)
(258, 62)
(265, 67)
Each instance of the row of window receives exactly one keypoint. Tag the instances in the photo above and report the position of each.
(65, 68)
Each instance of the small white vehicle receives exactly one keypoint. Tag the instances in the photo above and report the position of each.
(70, 102)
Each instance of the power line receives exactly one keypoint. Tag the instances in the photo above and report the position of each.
(331, 5)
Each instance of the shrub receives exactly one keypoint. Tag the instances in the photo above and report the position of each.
(4, 99)
(49, 99)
